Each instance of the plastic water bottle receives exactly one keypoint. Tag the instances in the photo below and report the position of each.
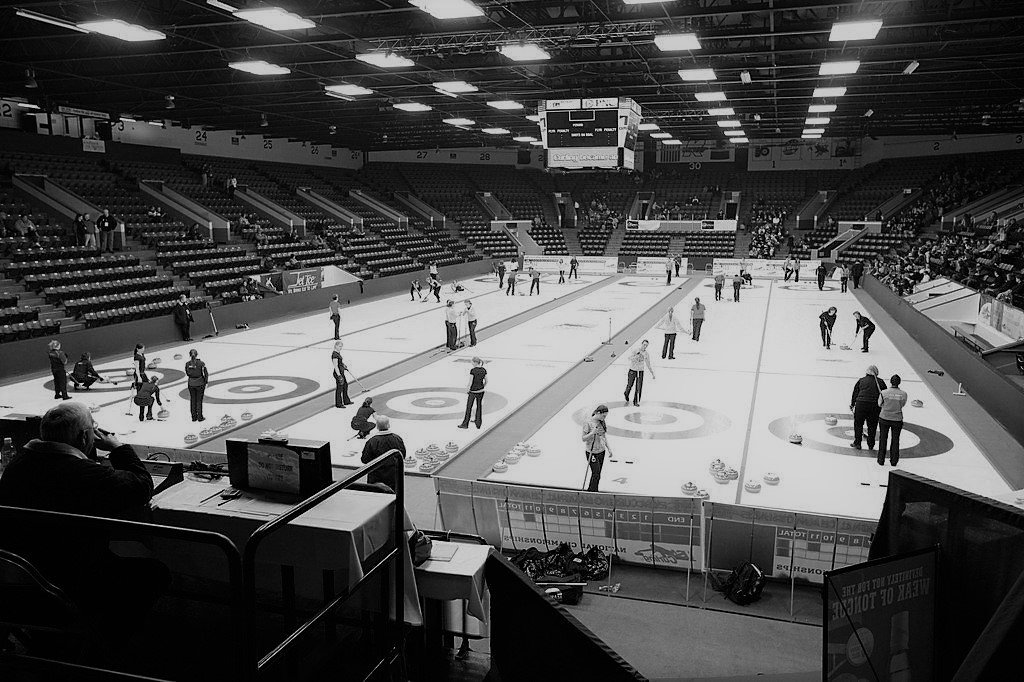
(6, 454)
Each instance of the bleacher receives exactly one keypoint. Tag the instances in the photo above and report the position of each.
(867, 188)
(709, 245)
(649, 244)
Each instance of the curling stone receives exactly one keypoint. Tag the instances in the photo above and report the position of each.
(500, 467)
(451, 448)
(177, 356)
(690, 488)
(442, 456)
(422, 453)
(429, 467)
(752, 486)
(512, 458)
(410, 461)
(917, 403)
(206, 433)
(721, 476)
(796, 438)
(703, 494)
(246, 416)
(191, 438)
(162, 415)
(533, 451)
(717, 465)
(433, 449)
(771, 478)
(351, 453)
(732, 474)
(831, 420)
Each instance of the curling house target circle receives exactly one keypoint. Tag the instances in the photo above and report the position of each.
(257, 389)
(644, 285)
(659, 420)
(728, 285)
(166, 375)
(432, 402)
(915, 440)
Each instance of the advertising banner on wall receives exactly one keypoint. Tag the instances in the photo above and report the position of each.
(305, 279)
(681, 225)
(798, 153)
(762, 268)
(879, 619)
(646, 265)
(588, 265)
(1002, 317)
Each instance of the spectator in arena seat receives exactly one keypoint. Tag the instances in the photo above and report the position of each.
(292, 263)
(106, 225)
(60, 472)
(78, 228)
(84, 374)
(380, 443)
(23, 224)
(183, 317)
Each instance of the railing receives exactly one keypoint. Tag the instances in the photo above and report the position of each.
(16, 517)
(257, 666)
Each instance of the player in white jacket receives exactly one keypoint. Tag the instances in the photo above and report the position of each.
(671, 325)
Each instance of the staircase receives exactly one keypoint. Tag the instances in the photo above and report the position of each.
(572, 242)
(742, 247)
(47, 311)
(677, 244)
(615, 241)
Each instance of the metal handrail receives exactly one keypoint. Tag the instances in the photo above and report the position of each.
(261, 534)
(20, 517)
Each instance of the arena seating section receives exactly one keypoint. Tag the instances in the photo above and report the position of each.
(50, 285)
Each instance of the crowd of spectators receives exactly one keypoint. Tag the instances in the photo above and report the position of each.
(598, 214)
(691, 209)
(767, 228)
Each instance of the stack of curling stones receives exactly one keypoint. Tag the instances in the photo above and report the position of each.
(721, 473)
(431, 457)
(771, 478)
(831, 420)
(752, 486)
(228, 422)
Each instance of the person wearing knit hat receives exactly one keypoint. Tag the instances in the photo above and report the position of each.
(865, 407)
(595, 442)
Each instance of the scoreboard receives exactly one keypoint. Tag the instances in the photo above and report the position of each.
(597, 132)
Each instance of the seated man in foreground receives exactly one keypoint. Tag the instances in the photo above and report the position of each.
(60, 472)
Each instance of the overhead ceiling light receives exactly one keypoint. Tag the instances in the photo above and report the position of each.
(126, 118)
(169, 101)
(716, 96)
(263, 121)
(348, 89)
(640, 2)
(675, 42)
(745, 77)
(538, 143)
(813, 131)
(260, 68)
(869, 113)
(30, 79)
(813, 136)
(158, 124)
(448, 9)
(829, 92)
(524, 138)
(911, 67)
(728, 124)
(824, 121)
(413, 106)
(463, 122)
(332, 130)
(28, 105)
(46, 19)
(697, 74)
(734, 133)
(115, 28)
(533, 117)
(453, 88)
(661, 135)
(385, 60)
(274, 18)
(821, 108)
(496, 131)
(671, 142)
(524, 52)
(854, 30)
(724, 111)
(505, 104)
(757, 117)
(649, 126)
(221, 5)
(838, 68)
(738, 140)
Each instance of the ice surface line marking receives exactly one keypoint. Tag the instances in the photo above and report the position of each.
(753, 397)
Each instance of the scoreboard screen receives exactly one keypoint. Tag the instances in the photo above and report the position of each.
(589, 133)
(593, 128)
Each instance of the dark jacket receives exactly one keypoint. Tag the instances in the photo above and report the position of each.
(857, 269)
(197, 373)
(866, 390)
(58, 360)
(182, 315)
(83, 370)
(389, 472)
(106, 223)
(827, 320)
(865, 323)
(147, 393)
(57, 477)
(363, 414)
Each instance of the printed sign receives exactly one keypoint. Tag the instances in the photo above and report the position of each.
(97, 146)
(680, 225)
(588, 265)
(1002, 317)
(273, 467)
(879, 619)
(646, 265)
(761, 267)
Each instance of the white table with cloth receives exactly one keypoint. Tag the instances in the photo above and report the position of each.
(458, 585)
(324, 550)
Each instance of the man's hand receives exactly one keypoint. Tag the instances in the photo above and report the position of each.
(105, 440)
(851, 408)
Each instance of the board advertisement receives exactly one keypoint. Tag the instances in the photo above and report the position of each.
(647, 265)
(762, 268)
(588, 265)
(1001, 316)
(879, 619)
(680, 225)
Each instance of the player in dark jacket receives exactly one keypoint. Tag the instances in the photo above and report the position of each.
(198, 378)
(58, 367)
(826, 321)
(183, 318)
(84, 374)
(362, 422)
(865, 408)
(147, 394)
(865, 325)
(821, 271)
(856, 272)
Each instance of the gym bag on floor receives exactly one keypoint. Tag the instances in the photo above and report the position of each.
(744, 585)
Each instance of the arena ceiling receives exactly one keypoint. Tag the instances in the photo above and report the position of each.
(968, 79)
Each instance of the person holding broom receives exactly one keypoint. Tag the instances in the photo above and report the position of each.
(826, 321)
(595, 442)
